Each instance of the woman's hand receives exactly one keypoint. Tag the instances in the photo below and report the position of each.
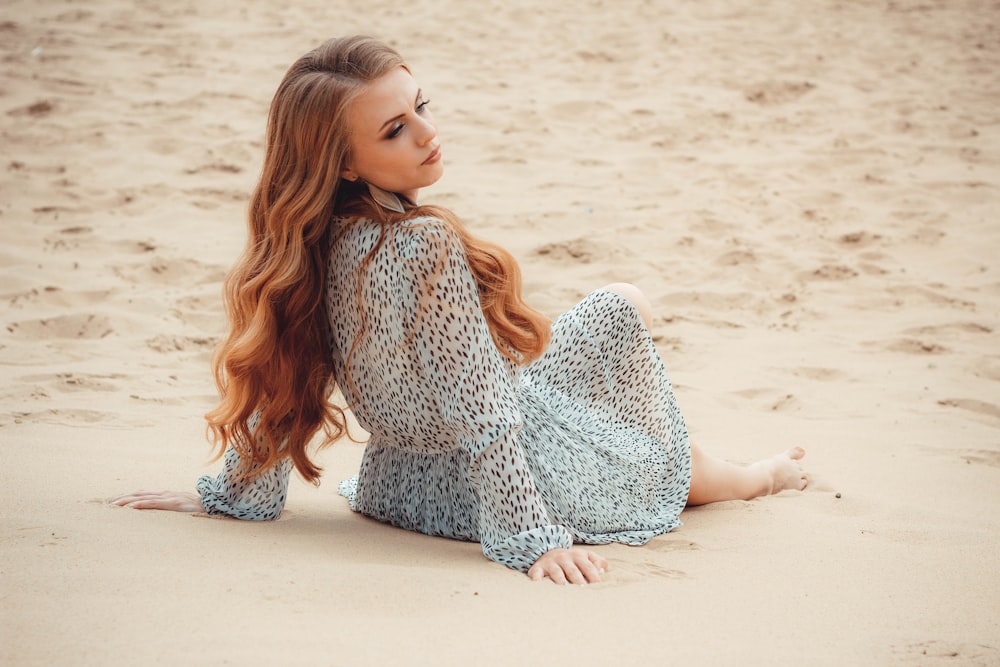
(576, 566)
(175, 501)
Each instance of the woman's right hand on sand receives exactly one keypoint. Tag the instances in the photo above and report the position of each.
(574, 566)
(175, 501)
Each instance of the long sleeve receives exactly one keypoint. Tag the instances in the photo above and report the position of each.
(260, 498)
(476, 397)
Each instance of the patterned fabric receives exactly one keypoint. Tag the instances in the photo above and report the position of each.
(586, 444)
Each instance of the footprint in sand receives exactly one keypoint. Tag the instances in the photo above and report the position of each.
(75, 382)
(777, 92)
(665, 544)
(988, 368)
(167, 343)
(979, 457)
(916, 346)
(67, 238)
(820, 374)
(204, 313)
(82, 237)
(772, 399)
(217, 167)
(39, 109)
(225, 158)
(860, 239)
(87, 326)
(831, 272)
(622, 572)
(176, 272)
(212, 198)
(580, 250)
(949, 329)
(70, 417)
(863, 240)
(54, 212)
(55, 297)
(939, 652)
(931, 294)
(736, 258)
(588, 257)
(972, 405)
(987, 457)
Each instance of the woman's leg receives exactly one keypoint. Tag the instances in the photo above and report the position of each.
(714, 480)
(638, 299)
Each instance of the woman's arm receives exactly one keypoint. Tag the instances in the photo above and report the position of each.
(478, 403)
(259, 498)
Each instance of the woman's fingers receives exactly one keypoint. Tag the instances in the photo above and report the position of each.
(599, 562)
(176, 501)
(128, 498)
(575, 566)
(556, 574)
(591, 566)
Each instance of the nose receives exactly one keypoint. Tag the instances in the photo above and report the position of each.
(427, 131)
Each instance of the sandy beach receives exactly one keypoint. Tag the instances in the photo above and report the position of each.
(809, 192)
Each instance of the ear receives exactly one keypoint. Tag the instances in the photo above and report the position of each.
(349, 174)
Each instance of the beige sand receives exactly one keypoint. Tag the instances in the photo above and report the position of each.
(808, 191)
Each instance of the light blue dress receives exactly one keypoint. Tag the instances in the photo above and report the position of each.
(586, 444)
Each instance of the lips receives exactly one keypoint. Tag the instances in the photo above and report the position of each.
(433, 157)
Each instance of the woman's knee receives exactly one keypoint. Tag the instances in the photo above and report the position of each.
(638, 299)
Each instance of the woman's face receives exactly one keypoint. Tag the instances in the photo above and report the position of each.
(394, 143)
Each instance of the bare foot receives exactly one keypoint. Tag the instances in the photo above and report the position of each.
(714, 480)
(785, 471)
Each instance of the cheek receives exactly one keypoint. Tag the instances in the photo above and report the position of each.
(368, 162)
(383, 157)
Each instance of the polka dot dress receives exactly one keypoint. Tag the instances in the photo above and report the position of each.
(586, 444)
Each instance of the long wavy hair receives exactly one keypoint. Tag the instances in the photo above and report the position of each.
(274, 368)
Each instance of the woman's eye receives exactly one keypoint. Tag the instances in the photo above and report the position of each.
(398, 129)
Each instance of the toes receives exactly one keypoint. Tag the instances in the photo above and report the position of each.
(796, 453)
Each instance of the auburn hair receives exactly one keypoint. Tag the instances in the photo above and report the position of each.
(274, 368)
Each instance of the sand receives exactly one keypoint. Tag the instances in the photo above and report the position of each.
(808, 192)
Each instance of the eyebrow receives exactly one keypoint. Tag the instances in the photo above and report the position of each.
(395, 118)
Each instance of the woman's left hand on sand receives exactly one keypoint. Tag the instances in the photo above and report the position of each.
(175, 501)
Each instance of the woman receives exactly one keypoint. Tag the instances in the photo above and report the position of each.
(487, 421)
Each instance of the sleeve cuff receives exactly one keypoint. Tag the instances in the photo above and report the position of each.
(261, 498)
(520, 551)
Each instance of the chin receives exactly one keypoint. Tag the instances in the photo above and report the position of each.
(431, 181)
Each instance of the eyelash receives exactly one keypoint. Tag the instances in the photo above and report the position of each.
(399, 128)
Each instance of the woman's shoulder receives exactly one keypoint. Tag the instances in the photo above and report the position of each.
(353, 231)
(424, 235)
(412, 227)
(425, 225)
(420, 237)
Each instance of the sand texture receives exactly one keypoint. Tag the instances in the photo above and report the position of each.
(808, 191)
